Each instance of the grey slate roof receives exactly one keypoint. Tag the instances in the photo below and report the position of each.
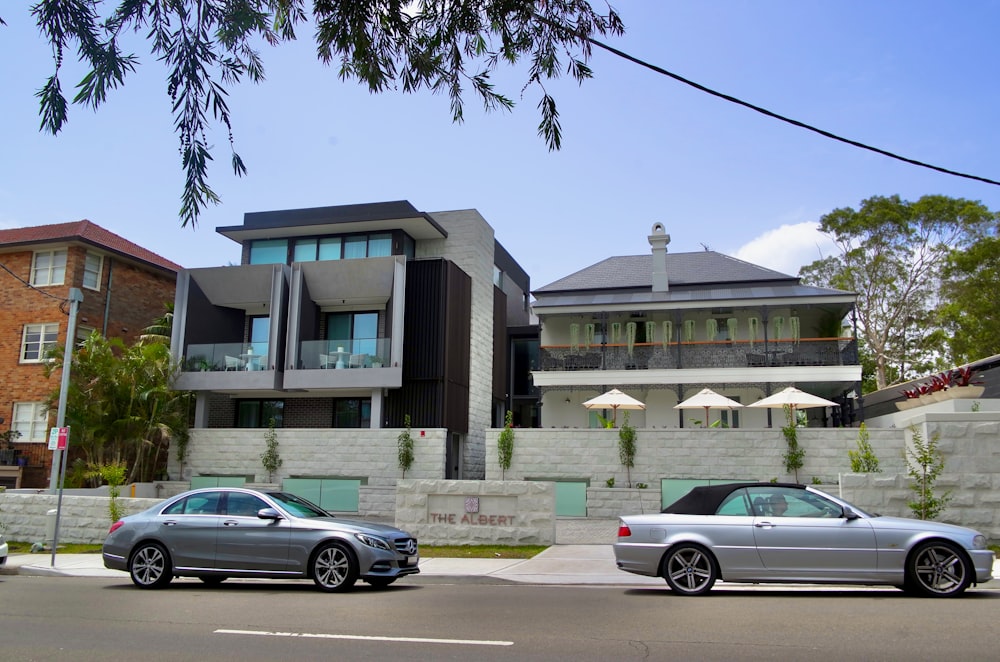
(698, 268)
(696, 276)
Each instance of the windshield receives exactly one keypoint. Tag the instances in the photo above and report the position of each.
(297, 505)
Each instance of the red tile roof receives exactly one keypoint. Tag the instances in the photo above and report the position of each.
(87, 232)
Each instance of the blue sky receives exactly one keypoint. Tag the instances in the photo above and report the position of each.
(912, 77)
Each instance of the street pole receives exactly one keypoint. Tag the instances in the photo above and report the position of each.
(75, 299)
(59, 455)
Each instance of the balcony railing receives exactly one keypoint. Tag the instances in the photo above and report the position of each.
(718, 354)
(229, 356)
(346, 353)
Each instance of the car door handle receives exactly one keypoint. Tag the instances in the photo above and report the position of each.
(170, 523)
(230, 522)
(763, 525)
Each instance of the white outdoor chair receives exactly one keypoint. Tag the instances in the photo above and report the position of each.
(326, 361)
(234, 363)
(357, 361)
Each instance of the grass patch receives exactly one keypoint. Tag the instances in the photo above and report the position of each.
(64, 548)
(481, 551)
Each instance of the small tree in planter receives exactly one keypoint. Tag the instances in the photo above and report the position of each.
(864, 460)
(793, 456)
(925, 463)
(404, 447)
(626, 448)
(114, 476)
(269, 458)
(505, 444)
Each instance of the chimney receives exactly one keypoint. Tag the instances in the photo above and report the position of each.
(658, 240)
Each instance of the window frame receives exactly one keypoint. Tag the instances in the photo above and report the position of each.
(51, 269)
(38, 424)
(43, 346)
(97, 274)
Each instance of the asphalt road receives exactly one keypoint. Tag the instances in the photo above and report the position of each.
(84, 619)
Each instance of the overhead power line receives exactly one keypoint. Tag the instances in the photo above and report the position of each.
(765, 111)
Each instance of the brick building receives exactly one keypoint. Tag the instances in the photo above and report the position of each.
(124, 289)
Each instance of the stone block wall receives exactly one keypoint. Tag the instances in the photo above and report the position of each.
(725, 453)
(83, 519)
(473, 512)
(311, 452)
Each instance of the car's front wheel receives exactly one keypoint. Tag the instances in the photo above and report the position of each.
(149, 566)
(334, 568)
(689, 569)
(938, 569)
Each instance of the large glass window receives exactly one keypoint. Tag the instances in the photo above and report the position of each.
(355, 247)
(304, 250)
(380, 245)
(269, 251)
(30, 420)
(92, 271)
(37, 340)
(258, 413)
(329, 248)
(260, 330)
(49, 268)
(357, 331)
(352, 413)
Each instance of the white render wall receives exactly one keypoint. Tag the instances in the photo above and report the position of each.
(311, 452)
(470, 245)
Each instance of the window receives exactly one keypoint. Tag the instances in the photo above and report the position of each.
(205, 503)
(258, 413)
(82, 333)
(304, 251)
(239, 504)
(38, 339)
(380, 245)
(30, 420)
(357, 331)
(48, 268)
(352, 413)
(497, 276)
(269, 251)
(92, 271)
(260, 329)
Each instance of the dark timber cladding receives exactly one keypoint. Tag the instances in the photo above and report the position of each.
(435, 391)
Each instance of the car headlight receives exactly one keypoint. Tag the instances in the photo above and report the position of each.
(373, 541)
(979, 542)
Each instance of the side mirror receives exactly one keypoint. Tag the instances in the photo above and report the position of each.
(268, 513)
(850, 514)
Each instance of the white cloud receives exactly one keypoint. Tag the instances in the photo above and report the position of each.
(787, 248)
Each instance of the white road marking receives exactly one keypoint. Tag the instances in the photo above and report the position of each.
(358, 637)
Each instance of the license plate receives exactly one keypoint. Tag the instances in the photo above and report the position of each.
(412, 560)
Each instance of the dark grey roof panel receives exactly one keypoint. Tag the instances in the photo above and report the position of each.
(683, 269)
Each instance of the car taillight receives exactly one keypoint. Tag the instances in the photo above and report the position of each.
(624, 531)
(114, 527)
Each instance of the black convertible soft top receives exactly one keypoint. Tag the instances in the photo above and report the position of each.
(705, 499)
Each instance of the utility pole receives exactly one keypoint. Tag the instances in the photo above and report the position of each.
(75, 299)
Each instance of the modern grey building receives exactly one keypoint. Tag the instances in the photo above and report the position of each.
(353, 317)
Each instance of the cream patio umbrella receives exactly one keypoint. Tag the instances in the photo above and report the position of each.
(614, 400)
(708, 399)
(793, 398)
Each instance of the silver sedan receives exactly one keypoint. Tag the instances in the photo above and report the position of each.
(217, 533)
(769, 532)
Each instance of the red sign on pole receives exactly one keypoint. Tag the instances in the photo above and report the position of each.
(58, 439)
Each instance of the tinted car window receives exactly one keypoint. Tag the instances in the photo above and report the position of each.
(735, 504)
(244, 505)
(204, 503)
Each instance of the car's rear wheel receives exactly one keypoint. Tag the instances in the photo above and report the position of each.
(938, 569)
(150, 567)
(689, 569)
(334, 568)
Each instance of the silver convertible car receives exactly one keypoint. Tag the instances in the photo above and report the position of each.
(772, 532)
(217, 533)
